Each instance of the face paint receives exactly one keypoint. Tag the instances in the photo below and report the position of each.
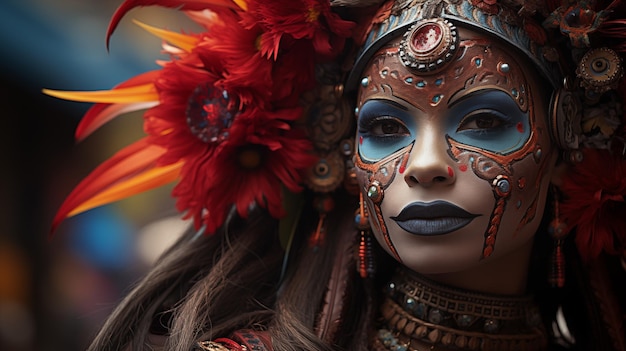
(460, 156)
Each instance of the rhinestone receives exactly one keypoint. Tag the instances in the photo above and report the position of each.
(435, 316)
(464, 320)
(420, 84)
(365, 81)
(420, 310)
(503, 186)
(408, 80)
(375, 192)
(372, 192)
(410, 303)
(210, 113)
(400, 348)
(491, 326)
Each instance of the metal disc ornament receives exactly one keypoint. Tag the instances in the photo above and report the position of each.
(428, 45)
(600, 70)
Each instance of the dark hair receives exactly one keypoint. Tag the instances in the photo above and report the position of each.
(205, 287)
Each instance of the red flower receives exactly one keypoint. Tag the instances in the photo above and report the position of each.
(232, 51)
(166, 123)
(299, 19)
(594, 203)
(227, 103)
(259, 157)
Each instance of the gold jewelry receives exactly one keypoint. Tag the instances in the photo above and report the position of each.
(419, 313)
(211, 346)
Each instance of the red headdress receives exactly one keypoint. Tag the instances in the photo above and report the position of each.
(226, 111)
(222, 109)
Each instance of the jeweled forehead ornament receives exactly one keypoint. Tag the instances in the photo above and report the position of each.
(428, 45)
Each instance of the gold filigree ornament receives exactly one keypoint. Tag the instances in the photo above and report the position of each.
(211, 346)
(328, 116)
(327, 174)
(329, 123)
(600, 70)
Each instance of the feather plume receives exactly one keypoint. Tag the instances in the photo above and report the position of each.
(109, 180)
(101, 113)
(196, 5)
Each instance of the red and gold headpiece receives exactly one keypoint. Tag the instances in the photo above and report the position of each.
(224, 108)
(253, 104)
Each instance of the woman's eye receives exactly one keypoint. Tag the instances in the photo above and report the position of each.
(388, 127)
(481, 120)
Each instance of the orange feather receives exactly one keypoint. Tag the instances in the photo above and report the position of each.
(135, 160)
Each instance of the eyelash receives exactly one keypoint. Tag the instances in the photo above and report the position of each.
(367, 125)
(498, 117)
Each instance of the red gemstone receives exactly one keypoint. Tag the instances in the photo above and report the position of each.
(210, 113)
(426, 38)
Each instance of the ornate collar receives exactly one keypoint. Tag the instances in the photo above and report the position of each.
(419, 314)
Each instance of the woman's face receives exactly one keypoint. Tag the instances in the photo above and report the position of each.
(454, 165)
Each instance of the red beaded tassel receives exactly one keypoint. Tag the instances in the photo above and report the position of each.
(323, 204)
(558, 231)
(366, 266)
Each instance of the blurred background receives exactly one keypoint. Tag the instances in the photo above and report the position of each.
(56, 290)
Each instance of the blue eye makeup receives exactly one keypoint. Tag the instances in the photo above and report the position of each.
(488, 119)
(384, 127)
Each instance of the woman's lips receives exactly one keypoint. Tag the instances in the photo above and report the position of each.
(433, 218)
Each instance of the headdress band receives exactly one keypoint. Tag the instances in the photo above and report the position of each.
(504, 24)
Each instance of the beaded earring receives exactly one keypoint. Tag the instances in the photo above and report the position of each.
(365, 263)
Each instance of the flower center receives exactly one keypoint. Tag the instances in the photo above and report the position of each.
(250, 157)
(257, 43)
(210, 113)
(312, 14)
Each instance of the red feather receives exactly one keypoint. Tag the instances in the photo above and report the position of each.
(132, 160)
(99, 114)
(196, 5)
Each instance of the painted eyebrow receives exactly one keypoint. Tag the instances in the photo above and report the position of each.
(389, 102)
(456, 101)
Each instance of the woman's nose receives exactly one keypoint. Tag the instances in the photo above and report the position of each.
(429, 163)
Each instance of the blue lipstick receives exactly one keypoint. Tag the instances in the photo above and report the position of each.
(433, 218)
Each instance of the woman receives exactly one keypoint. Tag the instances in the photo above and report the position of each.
(486, 142)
